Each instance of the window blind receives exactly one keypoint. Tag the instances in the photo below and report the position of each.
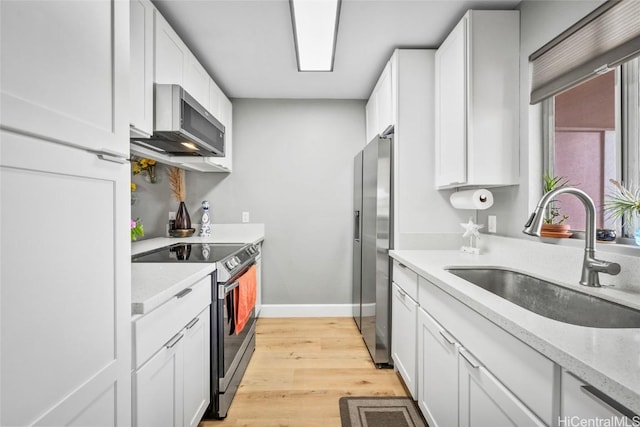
(604, 39)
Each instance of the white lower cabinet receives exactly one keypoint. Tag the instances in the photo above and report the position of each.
(463, 369)
(484, 401)
(466, 371)
(437, 372)
(172, 381)
(581, 402)
(197, 380)
(158, 386)
(403, 328)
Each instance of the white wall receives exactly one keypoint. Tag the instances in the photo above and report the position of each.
(292, 171)
(540, 22)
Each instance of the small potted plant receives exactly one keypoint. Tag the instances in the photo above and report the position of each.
(554, 222)
(625, 203)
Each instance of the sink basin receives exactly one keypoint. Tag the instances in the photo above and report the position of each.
(550, 300)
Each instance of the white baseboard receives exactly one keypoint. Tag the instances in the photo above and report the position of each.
(306, 310)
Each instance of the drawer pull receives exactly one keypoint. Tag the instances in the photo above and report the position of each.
(401, 265)
(184, 293)
(173, 341)
(447, 337)
(472, 361)
(597, 394)
(192, 323)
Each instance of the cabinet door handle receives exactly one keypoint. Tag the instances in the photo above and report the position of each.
(447, 337)
(402, 265)
(173, 341)
(472, 361)
(111, 156)
(597, 394)
(184, 293)
(192, 323)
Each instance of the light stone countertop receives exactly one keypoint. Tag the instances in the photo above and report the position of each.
(152, 284)
(605, 358)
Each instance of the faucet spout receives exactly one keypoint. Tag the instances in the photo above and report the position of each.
(591, 266)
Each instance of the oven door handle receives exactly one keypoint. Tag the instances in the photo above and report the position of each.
(223, 290)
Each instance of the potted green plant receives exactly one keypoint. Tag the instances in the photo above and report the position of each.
(625, 203)
(554, 221)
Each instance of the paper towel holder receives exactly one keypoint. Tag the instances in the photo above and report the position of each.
(476, 199)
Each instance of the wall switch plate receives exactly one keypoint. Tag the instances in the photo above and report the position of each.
(172, 215)
(492, 226)
(245, 217)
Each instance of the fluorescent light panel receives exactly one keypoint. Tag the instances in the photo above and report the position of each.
(315, 26)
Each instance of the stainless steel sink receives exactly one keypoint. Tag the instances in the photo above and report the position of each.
(550, 300)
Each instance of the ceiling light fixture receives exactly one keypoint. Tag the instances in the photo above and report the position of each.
(315, 29)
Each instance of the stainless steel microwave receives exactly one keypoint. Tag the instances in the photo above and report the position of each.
(183, 127)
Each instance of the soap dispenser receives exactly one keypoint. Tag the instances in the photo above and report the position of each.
(205, 226)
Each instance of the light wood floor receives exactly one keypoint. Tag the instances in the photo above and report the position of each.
(300, 368)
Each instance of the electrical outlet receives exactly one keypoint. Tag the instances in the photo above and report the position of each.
(245, 216)
(172, 215)
(492, 226)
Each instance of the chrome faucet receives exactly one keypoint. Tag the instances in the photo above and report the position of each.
(591, 266)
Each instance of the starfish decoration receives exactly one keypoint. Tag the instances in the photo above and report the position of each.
(471, 229)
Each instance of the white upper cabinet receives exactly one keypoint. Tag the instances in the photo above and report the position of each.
(380, 108)
(451, 112)
(170, 53)
(196, 81)
(141, 80)
(158, 55)
(65, 72)
(477, 114)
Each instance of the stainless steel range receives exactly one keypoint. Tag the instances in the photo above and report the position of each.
(231, 347)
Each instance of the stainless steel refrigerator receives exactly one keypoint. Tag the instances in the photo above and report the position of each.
(373, 237)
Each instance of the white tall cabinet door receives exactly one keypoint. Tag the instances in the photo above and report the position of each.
(404, 312)
(158, 388)
(65, 282)
(437, 372)
(64, 71)
(141, 76)
(484, 401)
(451, 108)
(197, 369)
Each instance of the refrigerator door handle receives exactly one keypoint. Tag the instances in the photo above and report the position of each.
(356, 226)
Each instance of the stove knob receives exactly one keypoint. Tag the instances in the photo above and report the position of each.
(229, 264)
(237, 260)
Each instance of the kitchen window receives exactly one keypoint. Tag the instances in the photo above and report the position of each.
(588, 82)
(591, 136)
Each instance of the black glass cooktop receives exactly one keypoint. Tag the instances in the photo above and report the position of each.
(189, 252)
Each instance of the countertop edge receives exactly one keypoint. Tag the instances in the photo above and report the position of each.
(161, 297)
